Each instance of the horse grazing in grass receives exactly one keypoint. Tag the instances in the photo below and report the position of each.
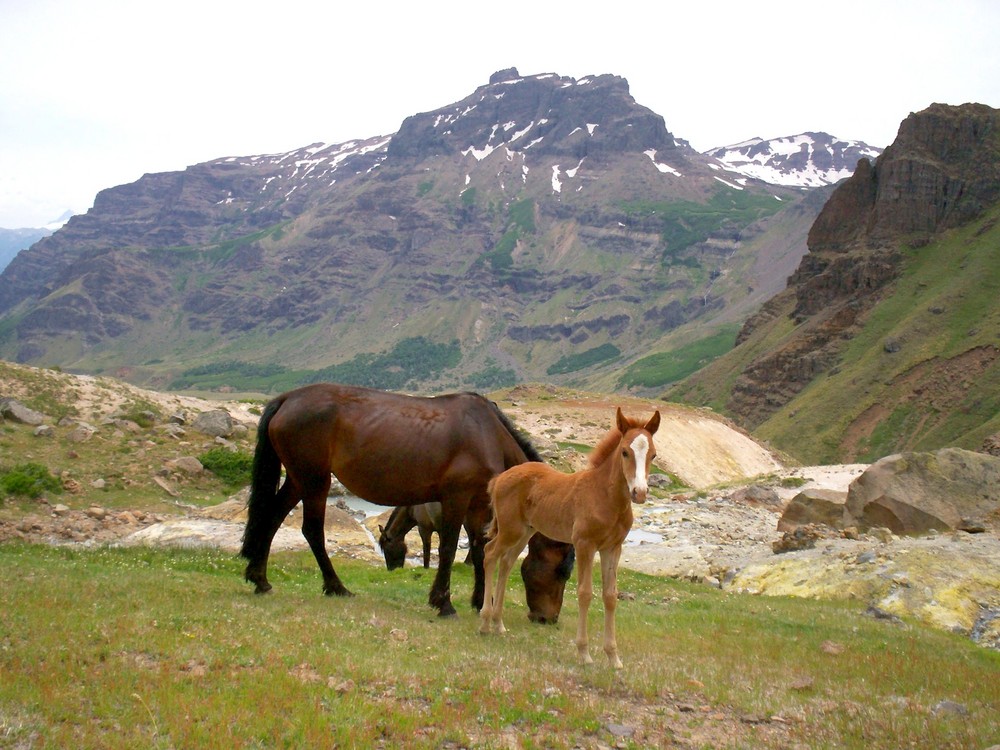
(592, 509)
(544, 571)
(389, 449)
(392, 537)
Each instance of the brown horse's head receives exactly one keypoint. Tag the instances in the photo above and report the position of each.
(545, 571)
(393, 548)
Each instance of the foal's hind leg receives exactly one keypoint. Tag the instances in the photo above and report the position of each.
(313, 517)
(501, 554)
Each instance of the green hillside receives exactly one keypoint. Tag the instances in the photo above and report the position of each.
(923, 370)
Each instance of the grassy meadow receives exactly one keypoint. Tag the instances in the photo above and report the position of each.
(126, 648)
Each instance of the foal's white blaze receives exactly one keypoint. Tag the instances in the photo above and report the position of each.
(638, 485)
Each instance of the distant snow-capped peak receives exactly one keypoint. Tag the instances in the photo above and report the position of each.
(806, 160)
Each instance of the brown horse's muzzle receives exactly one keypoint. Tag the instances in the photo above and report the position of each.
(639, 495)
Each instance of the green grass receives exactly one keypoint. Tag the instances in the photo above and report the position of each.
(124, 648)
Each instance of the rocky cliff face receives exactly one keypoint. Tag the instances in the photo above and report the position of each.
(941, 173)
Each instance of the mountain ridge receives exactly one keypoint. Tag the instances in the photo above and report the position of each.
(541, 223)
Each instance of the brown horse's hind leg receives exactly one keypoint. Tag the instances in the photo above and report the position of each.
(256, 570)
(313, 518)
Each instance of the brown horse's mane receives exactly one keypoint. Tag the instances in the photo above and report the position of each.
(610, 442)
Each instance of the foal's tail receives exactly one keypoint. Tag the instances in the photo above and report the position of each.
(492, 530)
(263, 487)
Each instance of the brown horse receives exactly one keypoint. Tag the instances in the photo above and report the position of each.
(591, 509)
(389, 449)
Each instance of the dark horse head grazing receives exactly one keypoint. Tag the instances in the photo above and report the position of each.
(389, 449)
(392, 536)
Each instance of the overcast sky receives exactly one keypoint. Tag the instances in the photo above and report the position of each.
(95, 94)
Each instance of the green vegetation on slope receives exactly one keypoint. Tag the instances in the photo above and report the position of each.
(935, 390)
(410, 360)
(662, 368)
(937, 385)
(686, 223)
(585, 359)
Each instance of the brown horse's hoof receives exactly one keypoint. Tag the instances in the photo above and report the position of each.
(448, 611)
(337, 592)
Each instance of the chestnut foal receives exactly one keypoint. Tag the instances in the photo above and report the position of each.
(592, 509)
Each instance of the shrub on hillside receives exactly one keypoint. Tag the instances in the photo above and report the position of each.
(29, 480)
(232, 467)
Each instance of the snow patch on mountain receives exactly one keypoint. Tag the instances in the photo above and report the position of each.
(806, 160)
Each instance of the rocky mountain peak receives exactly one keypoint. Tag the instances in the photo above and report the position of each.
(804, 160)
(545, 114)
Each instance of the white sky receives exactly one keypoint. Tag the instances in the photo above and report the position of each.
(95, 94)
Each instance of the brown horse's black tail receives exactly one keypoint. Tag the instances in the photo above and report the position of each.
(264, 479)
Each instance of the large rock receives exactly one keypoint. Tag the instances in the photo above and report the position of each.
(15, 411)
(815, 505)
(912, 493)
(217, 423)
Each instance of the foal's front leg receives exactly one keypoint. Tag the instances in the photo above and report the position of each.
(584, 594)
(609, 592)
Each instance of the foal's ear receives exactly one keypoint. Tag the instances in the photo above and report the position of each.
(654, 422)
(622, 423)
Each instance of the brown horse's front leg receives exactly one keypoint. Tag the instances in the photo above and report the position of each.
(476, 522)
(440, 596)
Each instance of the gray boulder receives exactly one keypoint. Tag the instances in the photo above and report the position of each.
(913, 493)
(816, 506)
(15, 411)
(217, 423)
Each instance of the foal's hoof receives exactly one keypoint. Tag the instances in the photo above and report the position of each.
(447, 611)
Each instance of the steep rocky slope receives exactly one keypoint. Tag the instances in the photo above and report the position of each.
(886, 337)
